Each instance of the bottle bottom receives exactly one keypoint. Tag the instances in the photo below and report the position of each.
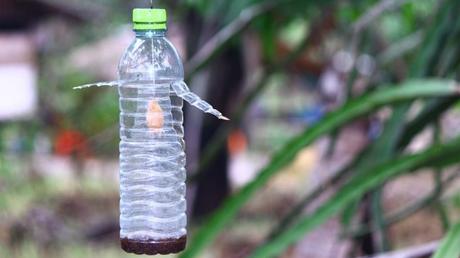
(152, 247)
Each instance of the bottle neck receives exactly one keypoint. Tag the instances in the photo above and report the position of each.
(150, 33)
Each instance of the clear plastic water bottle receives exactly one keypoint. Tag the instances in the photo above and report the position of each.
(152, 158)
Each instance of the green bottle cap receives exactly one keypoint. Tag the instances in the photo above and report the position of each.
(149, 19)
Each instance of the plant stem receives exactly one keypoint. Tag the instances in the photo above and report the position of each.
(405, 212)
(443, 216)
(296, 212)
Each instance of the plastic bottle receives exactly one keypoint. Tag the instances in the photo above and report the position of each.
(152, 158)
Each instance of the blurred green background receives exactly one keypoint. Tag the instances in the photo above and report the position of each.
(343, 137)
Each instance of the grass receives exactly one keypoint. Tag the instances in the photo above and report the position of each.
(31, 250)
(20, 192)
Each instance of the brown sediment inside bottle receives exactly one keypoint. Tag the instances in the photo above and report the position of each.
(152, 247)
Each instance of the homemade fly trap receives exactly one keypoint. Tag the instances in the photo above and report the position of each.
(152, 158)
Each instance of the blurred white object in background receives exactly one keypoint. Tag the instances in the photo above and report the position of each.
(18, 77)
(100, 58)
(365, 64)
(343, 61)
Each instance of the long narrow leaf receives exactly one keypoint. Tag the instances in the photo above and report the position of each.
(355, 189)
(430, 113)
(450, 245)
(386, 145)
(352, 110)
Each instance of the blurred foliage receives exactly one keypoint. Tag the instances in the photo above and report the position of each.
(390, 28)
(450, 245)
(350, 111)
(419, 39)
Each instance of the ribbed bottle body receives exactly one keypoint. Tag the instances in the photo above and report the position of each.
(152, 158)
(152, 163)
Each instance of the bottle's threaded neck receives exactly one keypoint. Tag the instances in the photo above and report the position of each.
(150, 33)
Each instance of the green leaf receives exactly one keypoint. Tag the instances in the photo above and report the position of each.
(268, 31)
(350, 111)
(348, 212)
(450, 245)
(353, 190)
(428, 56)
(432, 111)
(297, 211)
